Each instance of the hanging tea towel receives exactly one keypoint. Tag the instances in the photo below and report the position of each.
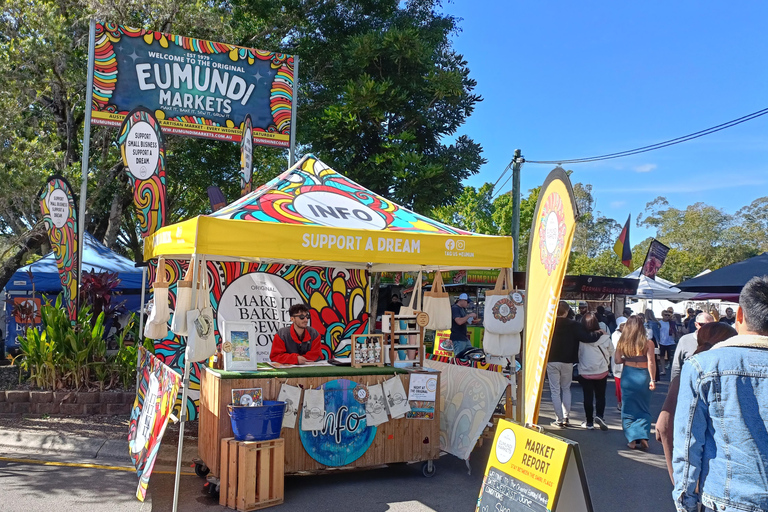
(375, 407)
(313, 410)
(291, 395)
(396, 399)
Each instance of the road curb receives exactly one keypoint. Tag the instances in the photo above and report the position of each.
(103, 449)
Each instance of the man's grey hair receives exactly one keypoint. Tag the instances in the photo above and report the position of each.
(704, 318)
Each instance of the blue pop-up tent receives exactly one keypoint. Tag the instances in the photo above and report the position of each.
(45, 280)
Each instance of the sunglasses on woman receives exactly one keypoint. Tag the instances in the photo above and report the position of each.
(301, 317)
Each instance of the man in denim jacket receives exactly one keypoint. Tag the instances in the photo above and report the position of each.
(721, 421)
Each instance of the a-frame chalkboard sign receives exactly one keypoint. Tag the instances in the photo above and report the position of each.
(529, 471)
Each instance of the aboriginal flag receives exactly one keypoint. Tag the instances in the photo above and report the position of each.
(621, 247)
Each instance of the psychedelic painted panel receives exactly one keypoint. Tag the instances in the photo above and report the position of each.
(57, 205)
(314, 194)
(148, 187)
(196, 88)
(155, 399)
(337, 298)
(345, 435)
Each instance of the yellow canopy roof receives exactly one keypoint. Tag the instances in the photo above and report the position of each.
(312, 215)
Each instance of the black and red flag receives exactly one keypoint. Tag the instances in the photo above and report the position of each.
(621, 247)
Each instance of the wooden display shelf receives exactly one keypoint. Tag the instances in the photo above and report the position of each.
(353, 349)
(394, 345)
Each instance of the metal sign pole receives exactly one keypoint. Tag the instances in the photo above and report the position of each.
(294, 108)
(185, 385)
(86, 151)
(140, 340)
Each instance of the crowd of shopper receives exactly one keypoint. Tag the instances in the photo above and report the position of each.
(713, 426)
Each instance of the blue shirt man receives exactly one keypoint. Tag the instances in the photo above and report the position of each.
(459, 320)
(720, 455)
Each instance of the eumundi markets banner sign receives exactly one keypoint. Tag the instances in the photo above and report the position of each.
(194, 87)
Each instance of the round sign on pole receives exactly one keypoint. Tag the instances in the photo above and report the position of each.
(422, 319)
(141, 150)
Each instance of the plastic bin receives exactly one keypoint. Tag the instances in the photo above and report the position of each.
(257, 423)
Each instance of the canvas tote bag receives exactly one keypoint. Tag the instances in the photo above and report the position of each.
(503, 314)
(414, 307)
(183, 302)
(201, 341)
(159, 314)
(437, 305)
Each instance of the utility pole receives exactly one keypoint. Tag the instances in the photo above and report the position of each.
(517, 163)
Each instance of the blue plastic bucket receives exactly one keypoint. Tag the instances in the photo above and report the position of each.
(257, 423)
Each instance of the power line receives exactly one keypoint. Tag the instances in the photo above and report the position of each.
(659, 145)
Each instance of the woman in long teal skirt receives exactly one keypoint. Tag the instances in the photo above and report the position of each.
(636, 352)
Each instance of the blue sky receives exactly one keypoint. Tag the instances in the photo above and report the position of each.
(565, 80)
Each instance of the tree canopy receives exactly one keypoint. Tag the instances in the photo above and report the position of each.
(382, 94)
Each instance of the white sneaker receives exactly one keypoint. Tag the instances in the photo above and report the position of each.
(601, 423)
(588, 426)
(558, 424)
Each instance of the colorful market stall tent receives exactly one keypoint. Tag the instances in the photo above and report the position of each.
(309, 235)
(40, 280)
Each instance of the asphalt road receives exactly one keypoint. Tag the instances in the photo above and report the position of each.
(619, 479)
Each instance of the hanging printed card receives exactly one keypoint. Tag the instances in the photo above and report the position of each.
(375, 407)
(397, 401)
(422, 386)
(313, 409)
(247, 396)
(291, 395)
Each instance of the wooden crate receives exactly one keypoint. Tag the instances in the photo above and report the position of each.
(252, 474)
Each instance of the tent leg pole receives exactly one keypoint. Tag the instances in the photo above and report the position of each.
(141, 320)
(183, 411)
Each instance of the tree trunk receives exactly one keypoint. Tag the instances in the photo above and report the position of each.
(115, 220)
(35, 239)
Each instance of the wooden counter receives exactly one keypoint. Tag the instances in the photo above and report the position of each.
(397, 440)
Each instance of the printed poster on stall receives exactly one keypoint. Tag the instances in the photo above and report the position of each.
(528, 471)
(156, 396)
(194, 87)
(57, 204)
(554, 223)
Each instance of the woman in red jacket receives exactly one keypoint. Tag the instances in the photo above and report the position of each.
(296, 343)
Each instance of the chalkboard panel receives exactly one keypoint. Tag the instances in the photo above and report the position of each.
(504, 493)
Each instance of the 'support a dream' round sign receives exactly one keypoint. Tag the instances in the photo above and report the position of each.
(142, 150)
(345, 435)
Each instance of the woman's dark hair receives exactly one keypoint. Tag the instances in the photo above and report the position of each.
(589, 321)
(297, 308)
(711, 334)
